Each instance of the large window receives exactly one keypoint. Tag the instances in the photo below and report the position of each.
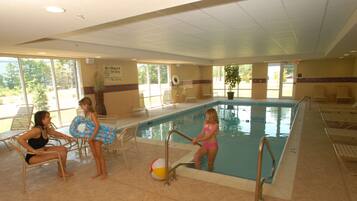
(280, 80)
(243, 90)
(153, 82)
(47, 84)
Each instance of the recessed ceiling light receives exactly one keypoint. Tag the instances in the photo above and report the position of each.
(55, 9)
(353, 51)
(340, 57)
(346, 55)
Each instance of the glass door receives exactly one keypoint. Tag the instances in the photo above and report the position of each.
(287, 82)
(273, 88)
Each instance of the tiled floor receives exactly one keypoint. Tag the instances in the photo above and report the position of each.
(318, 175)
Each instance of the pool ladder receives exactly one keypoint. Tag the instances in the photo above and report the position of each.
(170, 173)
(259, 180)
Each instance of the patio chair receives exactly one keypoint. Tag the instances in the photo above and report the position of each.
(339, 120)
(343, 94)
(141, 107)
(167, 99)
(319, 94)
(25, 166)
(343, 136)
(207, 92)
(125, 141)
(20, 123)
(22, 119)
(189, 92)
(338, 108)
(346, 153)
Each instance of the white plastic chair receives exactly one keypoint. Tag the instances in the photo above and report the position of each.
(319, 93)
(22, 119)
(125, 141)
(167, 99)
(25, 166)
(343, 94)
(141, 107)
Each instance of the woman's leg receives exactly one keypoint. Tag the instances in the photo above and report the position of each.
(198, 155)
(62, 151)
(95, 156)
(212, 153)
(98, 148)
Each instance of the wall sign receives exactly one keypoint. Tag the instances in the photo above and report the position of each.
(112, 73)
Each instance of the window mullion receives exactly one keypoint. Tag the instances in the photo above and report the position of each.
(54, 83)
(23, 85)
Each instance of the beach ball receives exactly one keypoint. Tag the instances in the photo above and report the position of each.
(157, 169)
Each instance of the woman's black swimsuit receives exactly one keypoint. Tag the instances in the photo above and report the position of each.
(36, 143)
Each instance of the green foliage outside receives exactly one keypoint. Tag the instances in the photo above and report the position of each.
(40, 97)
(288, 71)
(38, 79)
(142, 74)
(153, 73)
(245, 72)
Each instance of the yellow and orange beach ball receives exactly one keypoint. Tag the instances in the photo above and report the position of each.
(157, 169)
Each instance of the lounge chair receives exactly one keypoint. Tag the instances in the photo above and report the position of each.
(189, 91)
(342, 136)
(343, 94)
(339, 120)
(125, 141)
(167, 99)
(339, 108)
(22, 119)
(141, 108)
(25, 166)
(346, 152)
(206, 92)
(319, 94)
(20, 123)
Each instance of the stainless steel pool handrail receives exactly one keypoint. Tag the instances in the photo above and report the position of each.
(301, 100)
(297, 105)
(167, 140)
(260, 181)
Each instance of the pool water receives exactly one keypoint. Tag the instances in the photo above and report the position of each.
(241, 126)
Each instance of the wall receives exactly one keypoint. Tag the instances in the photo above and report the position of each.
(194, 80)
(259, 80)
(120, 96)
(330, 73)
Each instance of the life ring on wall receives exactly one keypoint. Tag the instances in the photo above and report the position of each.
(82, 127)
(175, 80)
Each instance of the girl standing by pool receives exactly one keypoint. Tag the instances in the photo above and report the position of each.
(95, 145)
(208, 139)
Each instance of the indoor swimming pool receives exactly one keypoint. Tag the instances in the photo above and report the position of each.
(241, 125)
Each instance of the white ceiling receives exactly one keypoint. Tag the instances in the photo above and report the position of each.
(186, 31)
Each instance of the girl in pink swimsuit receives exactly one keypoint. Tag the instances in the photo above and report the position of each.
(208, 139)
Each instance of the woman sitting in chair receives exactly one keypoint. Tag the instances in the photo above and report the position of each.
(35, 141)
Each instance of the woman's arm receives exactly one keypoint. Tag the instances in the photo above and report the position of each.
(208, 135)
(22, 139)
(57, 134)
(94, 118)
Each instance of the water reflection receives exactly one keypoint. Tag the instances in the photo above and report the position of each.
(235, 120)
(241, 127)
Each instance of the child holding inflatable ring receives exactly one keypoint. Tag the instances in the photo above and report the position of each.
(95, 145)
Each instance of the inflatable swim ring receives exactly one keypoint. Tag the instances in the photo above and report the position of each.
(83, 127)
